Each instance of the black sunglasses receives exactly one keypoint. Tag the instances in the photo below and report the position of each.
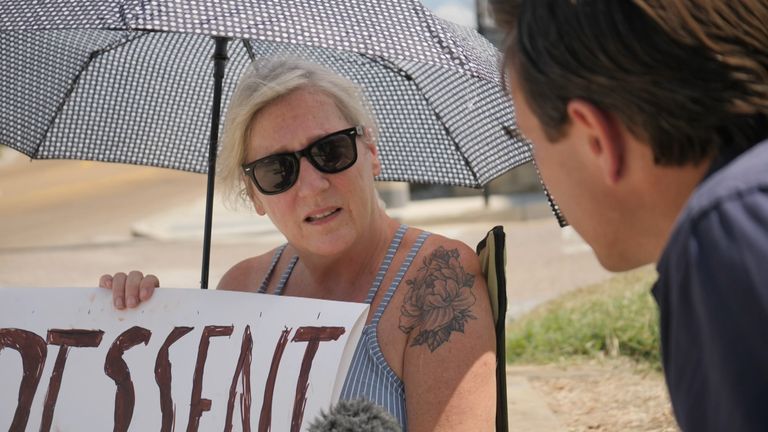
(330, 154)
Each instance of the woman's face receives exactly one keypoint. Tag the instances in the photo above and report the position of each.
(321, 213)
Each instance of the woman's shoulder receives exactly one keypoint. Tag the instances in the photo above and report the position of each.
(451, 262)
(452, 267)
(437, 246)
(248, 274)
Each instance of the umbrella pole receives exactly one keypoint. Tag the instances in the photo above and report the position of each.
(219, 63)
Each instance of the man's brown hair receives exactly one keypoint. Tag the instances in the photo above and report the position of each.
(689, 76)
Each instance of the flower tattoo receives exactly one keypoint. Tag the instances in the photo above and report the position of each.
(439, 299)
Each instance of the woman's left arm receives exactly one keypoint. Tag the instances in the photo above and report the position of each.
(450, 358)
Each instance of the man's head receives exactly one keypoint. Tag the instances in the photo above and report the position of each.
(627, 103)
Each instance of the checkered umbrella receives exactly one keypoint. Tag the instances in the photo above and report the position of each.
(130, 80)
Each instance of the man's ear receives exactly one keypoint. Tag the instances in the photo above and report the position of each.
(604, 134)
(370, 144)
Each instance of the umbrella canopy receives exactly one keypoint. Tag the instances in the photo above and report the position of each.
(109, 82)
(130, 81)
(391, 28)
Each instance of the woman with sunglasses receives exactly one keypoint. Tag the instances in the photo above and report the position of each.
(299, 146)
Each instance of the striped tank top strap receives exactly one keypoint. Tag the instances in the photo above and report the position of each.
(399, 277)
(268, 276)
(393, 245)
(286, 274)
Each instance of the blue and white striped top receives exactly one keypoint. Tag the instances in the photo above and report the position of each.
(370, 377)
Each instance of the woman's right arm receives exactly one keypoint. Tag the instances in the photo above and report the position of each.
(129, 290)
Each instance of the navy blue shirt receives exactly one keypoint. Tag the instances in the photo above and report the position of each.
(712, 294)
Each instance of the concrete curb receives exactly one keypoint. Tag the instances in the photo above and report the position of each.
(527, 409)
(187, 222)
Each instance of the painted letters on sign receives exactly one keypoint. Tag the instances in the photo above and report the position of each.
(185, 360)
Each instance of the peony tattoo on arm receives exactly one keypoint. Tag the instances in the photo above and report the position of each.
(438, 300)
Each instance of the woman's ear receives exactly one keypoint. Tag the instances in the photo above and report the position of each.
(603, 134)
(370, 144)
(250, 192)
(258, 206)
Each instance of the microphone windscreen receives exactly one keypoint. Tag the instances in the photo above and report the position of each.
(355, 416)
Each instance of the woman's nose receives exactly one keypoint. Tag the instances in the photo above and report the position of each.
(310, 181)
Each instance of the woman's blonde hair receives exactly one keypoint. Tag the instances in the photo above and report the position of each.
(264, 81)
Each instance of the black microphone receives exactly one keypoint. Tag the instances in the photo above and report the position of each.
(355, 416)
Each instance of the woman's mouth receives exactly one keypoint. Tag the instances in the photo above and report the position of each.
(322, 216)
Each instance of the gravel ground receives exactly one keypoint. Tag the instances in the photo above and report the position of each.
(605, 395)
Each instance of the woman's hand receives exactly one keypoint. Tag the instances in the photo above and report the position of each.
(129, 289)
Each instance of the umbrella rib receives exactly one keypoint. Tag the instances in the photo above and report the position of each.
(447, 48)
(389, 64)
(467, 162)
(74, 83)
(249, 49)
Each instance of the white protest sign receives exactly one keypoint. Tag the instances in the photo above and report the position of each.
(185, 360)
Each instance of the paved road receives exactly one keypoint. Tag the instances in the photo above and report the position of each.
(66, 222)
(54, 203)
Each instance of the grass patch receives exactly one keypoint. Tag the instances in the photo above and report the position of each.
(618, 317)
